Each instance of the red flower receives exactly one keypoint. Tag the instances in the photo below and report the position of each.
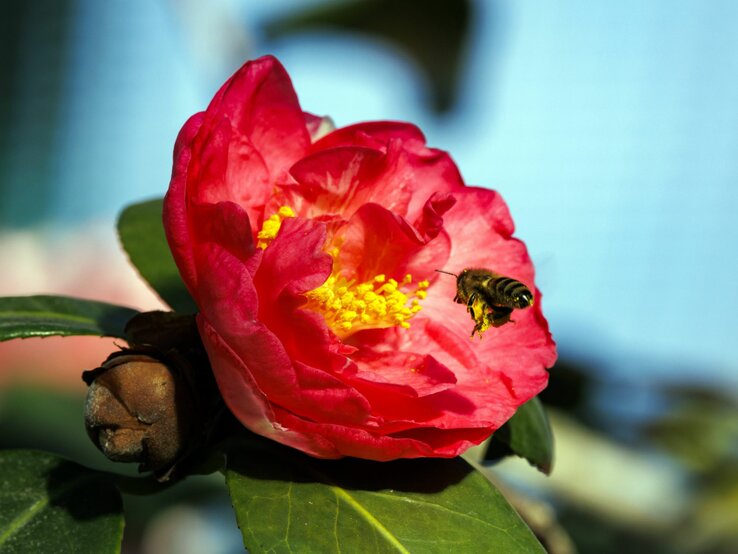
(312, 261)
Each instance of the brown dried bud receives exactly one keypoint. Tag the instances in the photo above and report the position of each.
(138, 410)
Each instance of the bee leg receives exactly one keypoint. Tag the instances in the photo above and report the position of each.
(470, 305)
(499, 316)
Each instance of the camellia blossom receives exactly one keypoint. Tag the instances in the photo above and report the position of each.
(312, 255)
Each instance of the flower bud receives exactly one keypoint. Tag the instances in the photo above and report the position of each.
(138, 410)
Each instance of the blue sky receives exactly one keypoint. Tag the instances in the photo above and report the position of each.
(610, 128)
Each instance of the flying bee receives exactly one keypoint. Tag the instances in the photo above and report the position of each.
(490, 298)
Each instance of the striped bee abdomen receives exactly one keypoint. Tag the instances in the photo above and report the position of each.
(508, 292)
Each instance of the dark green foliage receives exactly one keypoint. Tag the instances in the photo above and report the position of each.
(527, 434)
(42, 316)
(48, 504)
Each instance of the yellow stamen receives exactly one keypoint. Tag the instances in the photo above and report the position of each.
(271, 225)
(378, 303)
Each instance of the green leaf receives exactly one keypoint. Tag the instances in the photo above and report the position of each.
(527, 434)
(48, 504)
(42, 316)
(288, 502)
(141, 232)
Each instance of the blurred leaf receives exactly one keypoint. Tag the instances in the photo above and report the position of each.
(712, 525)
(42, 316)
(48, 504)
(699, 394)
(48, 419)
(527, 434)
(432, 33)
(595, 533)
(142, 234)
(288, 502)
(699, 427)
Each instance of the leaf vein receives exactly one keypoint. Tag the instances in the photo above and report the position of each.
(356, 505)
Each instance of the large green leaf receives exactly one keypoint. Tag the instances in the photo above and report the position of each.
(141, 232)
(526, 434)
(42, 316)
(288, 502)
(48, 504)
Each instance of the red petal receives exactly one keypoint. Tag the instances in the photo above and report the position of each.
(227, 168)
(248, 402)
(402, 373)
(335, 441)
(426, 170)
(293, 264)
(431, 221)
(479, 399)
(295, 261)
(306, 391)
(252, 131)
(262, 106)
(238, 388)
(340, 180)
(176, 222)
(230, 304)
(227, 225)
(376, 241)
(374, 134)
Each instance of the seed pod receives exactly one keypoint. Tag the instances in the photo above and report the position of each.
(138, 409)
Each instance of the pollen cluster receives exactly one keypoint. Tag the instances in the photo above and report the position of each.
(349, 306)
(479, 310)
(271, 225)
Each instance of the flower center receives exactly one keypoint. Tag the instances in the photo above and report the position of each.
(349, 306)
(270, 227)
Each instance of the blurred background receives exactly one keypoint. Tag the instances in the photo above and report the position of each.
(611, 128)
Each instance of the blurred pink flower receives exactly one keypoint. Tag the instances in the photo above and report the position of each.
(80, 262)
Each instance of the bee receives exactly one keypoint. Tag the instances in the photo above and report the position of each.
(490, 298)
